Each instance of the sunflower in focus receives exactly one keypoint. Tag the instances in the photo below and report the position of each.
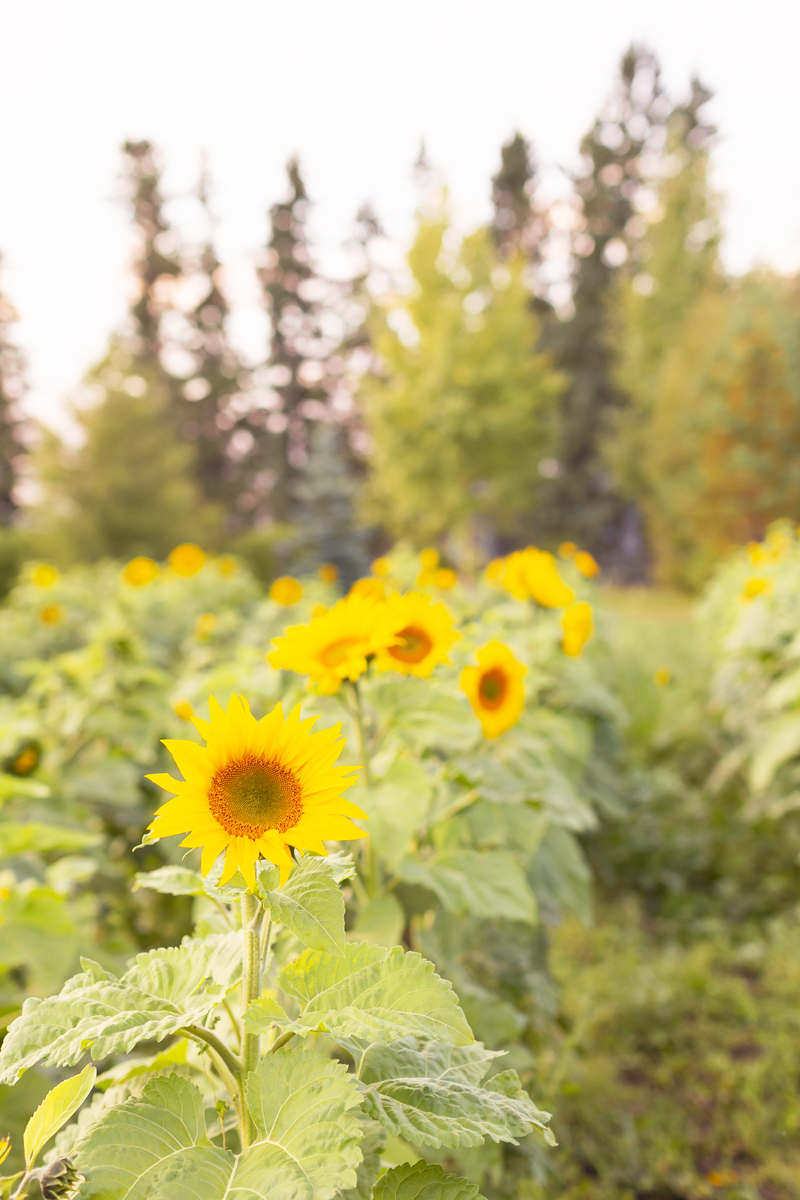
(140, 571)
(187, 559)
(494, 688)
(335, 645)
(578, 627)
(256, 789)
(423, 632)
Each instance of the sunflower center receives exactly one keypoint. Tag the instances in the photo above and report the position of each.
(250, 796)
(492, 688)
(414, 646)
(337, 652)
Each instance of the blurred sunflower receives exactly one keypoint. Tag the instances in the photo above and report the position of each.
(51, 614)
(286, 590)
(373, 589)
(335, 645)
(140, 571)
(756, 585)
(495, 570)
(329, 572)
(187, 559)
(578, 627)
(494, 688)
(44, 576)
(587, 564)
(423, 631)
(256, 789)
(533, 574)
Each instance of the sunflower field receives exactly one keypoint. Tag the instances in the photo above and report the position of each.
(346, 892)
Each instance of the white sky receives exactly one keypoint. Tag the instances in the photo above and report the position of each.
(351, 85)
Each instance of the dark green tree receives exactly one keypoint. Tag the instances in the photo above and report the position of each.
(13, 427)
(325, 494)
(580, 500)
(519, 223)
(298, 352)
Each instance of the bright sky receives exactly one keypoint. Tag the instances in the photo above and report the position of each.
(351, 85)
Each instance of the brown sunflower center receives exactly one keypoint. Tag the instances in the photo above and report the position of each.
(414, 646)
(492, 688)
(250, 796)
(336, 653)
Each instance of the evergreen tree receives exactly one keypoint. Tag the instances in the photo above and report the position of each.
(13, 427)
(325, 494)
(580, 501)
(298, 351)
(460, 415)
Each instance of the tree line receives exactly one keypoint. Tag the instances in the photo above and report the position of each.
(580, 370)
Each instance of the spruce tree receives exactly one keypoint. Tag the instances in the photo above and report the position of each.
(580, 501)
(292, 294)
(324, 496)
(13, 427)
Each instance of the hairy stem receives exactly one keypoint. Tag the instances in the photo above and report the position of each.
(366, 852)
(252, 917)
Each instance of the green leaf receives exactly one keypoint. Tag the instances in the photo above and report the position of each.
(171, 881)
(163, 991)
(397, 805)
(155, 1147)
(22, 837)
(373, 1140)
(37, 931)
(488, 883)
(370, 992)
(432, 1095)
(132, 1149)
(380, 922)
(311, 905)
(421, 1181)
(56, 1108)
(308, 1106)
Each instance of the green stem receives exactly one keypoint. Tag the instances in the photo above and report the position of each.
(367, 850)
(281, 1041)
(205, 1035)
(252, 917)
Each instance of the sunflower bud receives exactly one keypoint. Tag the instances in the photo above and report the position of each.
(60, 1181)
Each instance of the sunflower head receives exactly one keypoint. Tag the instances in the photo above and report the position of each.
(662, 677)
(257, 789)
(495, 571)
(495, 689)
(423, 634)
(337, 644)
(140, 571)
(187, 559)
(756, 585)
(44, 576)
(533, 574)
(578, 627)
(286, 590)
(51, 614)
(567, 549)
(329, 572)
(587, 564)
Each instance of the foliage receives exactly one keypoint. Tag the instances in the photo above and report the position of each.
(13, 427)
(462, 415)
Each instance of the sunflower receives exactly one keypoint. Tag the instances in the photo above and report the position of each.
(140, 571)
(533, 573)
(754, 586)
(44, 576)
(494, 688)
(256, 789)
(187, 559)
(286, 590)
(423, 634)
(586, 564)
(335, 645)
(578, 628)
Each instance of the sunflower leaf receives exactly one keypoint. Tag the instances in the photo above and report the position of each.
(310, 1106)
(369, 992)
(155, 1146)
(373, 1140)
(171, 881)
(55, 1110)
(476, 882)
(423, 1181)
(164, 990)
(432, 1095)
(311, 904)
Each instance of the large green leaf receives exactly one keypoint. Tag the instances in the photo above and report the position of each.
(370, 992)
(155, 1147)
(311, 904)
(432, 1095)
(487, 883)
(308, 1106)
(163, 991)
(57, 1107)
(421, 1181)
(373, 1140)
(171, 881)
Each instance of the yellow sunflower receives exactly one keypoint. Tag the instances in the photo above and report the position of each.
(423, 634)
(578, 628)
(587, 564)
(286, 590)
(256, 789)
(335, 645)
(533, 574)
(494, 688)
(187, 559)
(140, 571)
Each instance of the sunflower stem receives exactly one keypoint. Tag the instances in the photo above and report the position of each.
(252, 918)
(367, 853)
